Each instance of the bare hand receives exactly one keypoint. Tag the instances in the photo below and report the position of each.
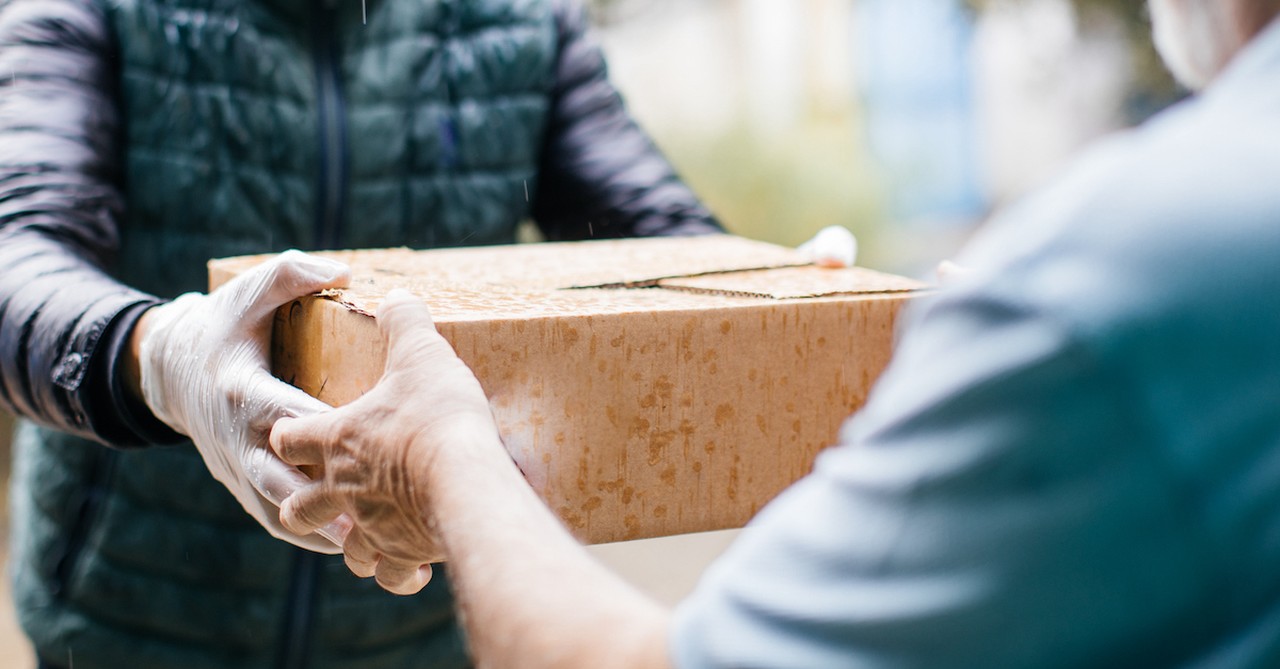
(378, 451)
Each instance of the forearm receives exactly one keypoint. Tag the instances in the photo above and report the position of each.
(530, 596)
(62, 317)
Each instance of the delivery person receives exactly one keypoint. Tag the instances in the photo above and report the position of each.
(1073, 460)
(142, 138)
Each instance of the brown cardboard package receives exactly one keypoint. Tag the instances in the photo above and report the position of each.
(645, 387)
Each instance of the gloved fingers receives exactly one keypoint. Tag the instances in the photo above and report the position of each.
(272, 477)
(260, 482)
(268, 515)
(402, 578)
(257, 293)
(337, 530)
(833, 246)
(264, 399)
(278, 482)
(310, 509)
(949, 272)
(282, 401)
(292, 402)
(360, 555)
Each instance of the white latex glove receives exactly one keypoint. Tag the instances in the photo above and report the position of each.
(950, 273)
(833, 246)
(205, 368)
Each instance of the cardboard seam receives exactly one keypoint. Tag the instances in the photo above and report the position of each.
(657, 281)
(767, 296)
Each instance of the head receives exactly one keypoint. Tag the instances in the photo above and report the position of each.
(1197, 38)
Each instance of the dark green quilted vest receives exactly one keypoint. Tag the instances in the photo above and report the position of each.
(255, 126)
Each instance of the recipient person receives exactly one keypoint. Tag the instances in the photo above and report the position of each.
(1073, 460)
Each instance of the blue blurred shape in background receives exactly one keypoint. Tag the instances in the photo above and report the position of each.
(917, 84)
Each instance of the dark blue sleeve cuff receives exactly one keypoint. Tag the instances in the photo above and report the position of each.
(121, 419)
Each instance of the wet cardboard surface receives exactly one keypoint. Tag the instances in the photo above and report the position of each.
(634, 409)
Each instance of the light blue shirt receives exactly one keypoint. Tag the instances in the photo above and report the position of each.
(1074, 459)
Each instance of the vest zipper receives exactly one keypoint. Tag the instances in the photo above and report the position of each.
(333, 129)
(450, 21)
(92, 497)
(300, 616)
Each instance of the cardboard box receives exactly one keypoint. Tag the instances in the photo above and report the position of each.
(645, 387)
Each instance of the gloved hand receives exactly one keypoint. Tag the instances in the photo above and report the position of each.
(204, 363)
(950, 273)
(833, 246)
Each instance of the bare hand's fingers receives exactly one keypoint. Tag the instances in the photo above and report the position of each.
(406, 325)
(360, 555)
(283, 279)
(416, 349)
(401, 313)
(402, 578)
(304, 441)
(310, 509)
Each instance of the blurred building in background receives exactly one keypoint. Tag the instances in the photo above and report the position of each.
(756, 103)
(917, 81)
(918, 86)
(905, 120)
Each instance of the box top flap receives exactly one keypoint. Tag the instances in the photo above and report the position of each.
(583, 278)
(454, 303)
(553, 266)
(627, 262)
